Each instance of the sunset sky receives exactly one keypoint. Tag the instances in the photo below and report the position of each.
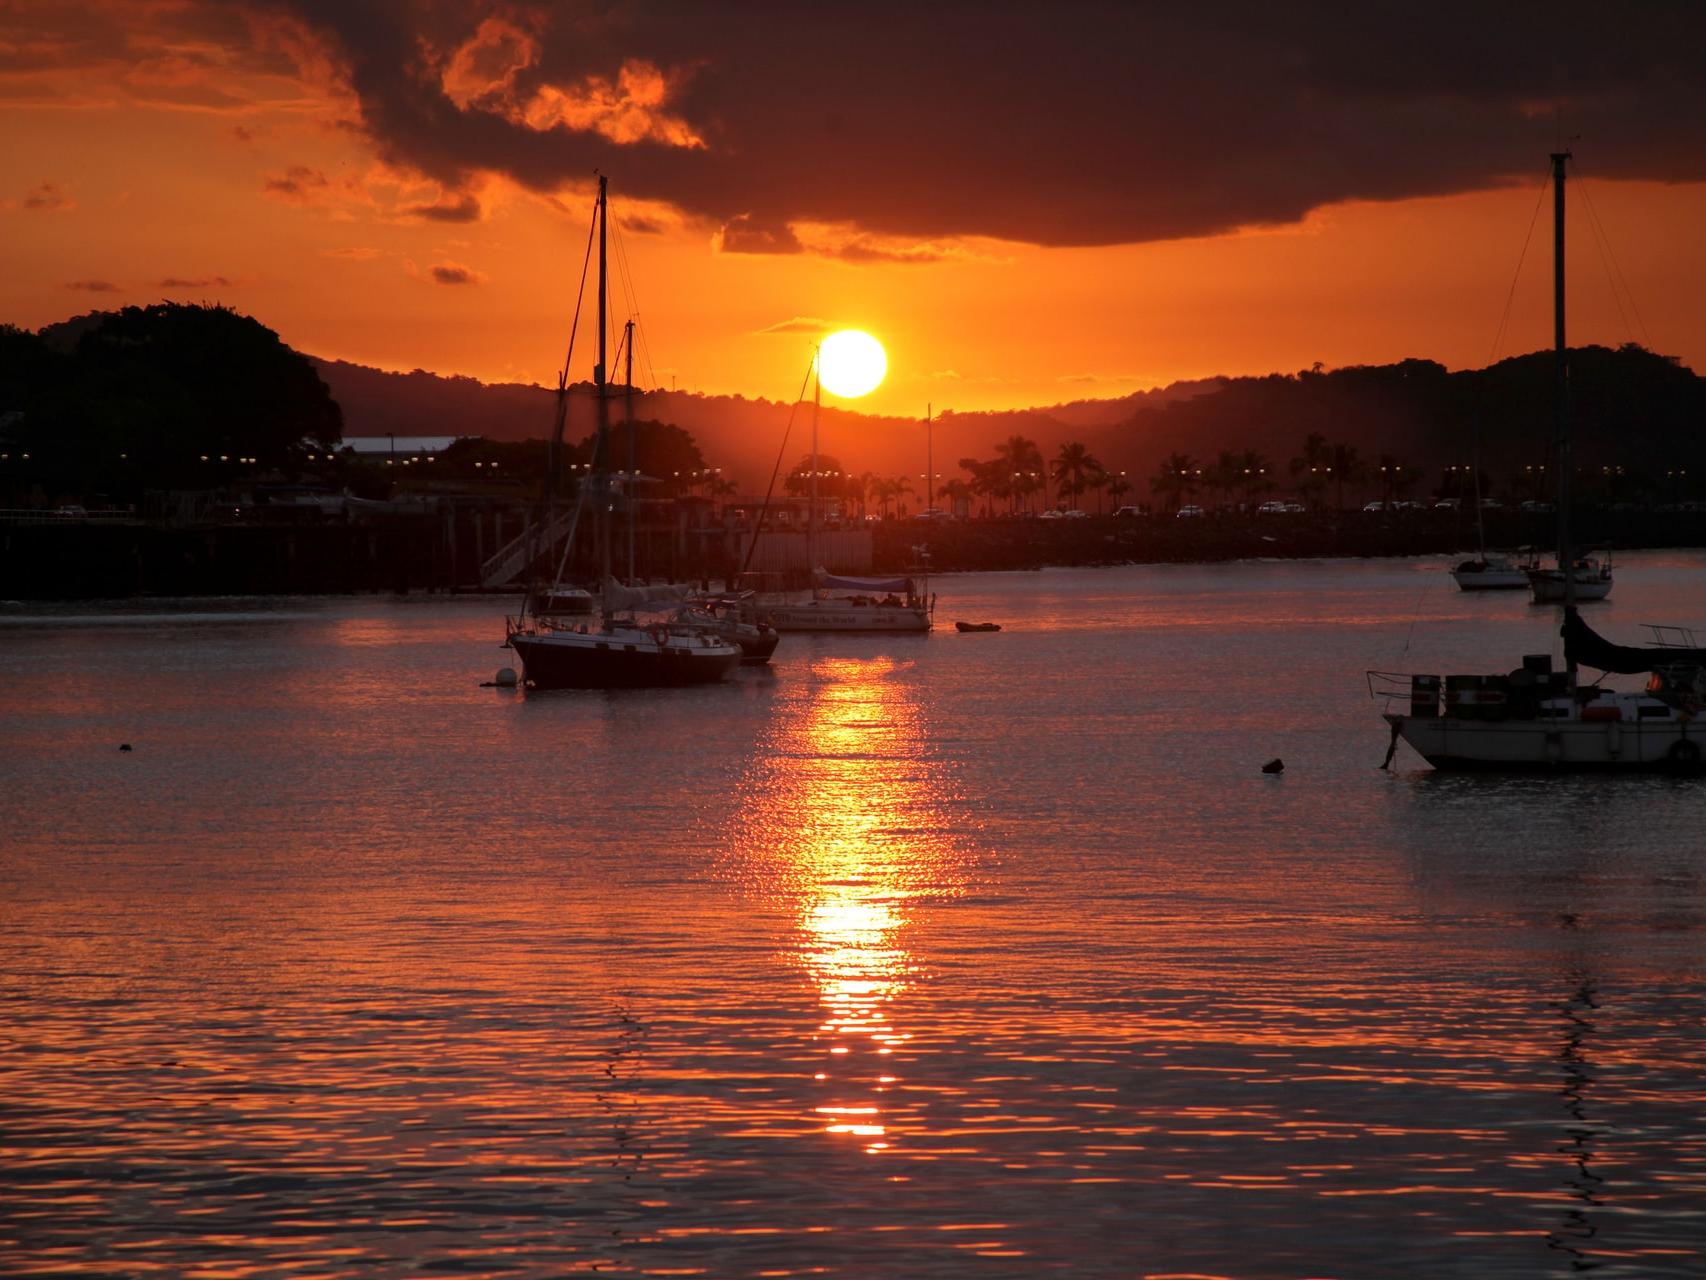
(1027, 204)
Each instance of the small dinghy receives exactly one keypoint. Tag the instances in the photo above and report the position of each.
(977, 626)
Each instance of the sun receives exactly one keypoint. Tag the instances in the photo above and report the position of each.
(851, 363)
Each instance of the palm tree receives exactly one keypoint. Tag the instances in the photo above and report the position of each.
(1020, 453)
(859, 487)
(1225, 476)
(888, 490)
(1097, 482)
(1396, 479)
(1118, 487)
(1346, 467)
(1176, 478)
(985, 480)
(1314, 467)
(958, 492)
(1070, 466)
(1253, 469)
(1023, 463)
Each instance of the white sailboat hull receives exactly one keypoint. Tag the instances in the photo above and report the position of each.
(838, 615)
(1548, 586)
(1505, 745)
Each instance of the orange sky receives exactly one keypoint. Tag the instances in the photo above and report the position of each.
(201, 158)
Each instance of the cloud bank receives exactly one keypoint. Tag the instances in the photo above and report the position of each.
(915, 126)
(1081, 124)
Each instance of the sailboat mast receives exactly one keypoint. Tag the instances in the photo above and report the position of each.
(633, 445)
(1475, 490)
(1566, 557)
(811, 512)
(598, 376)
(929, 487)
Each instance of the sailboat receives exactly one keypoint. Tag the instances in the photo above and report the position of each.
(1485, 572)
(1490, 573)
(867, 604)
(616, 651)
(1589, 580)
(1534, 717)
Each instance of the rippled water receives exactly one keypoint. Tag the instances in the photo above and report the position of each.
(984, 955)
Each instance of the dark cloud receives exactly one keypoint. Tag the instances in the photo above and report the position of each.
(1073, 124)
(453, 273)
(200, 55)
(746, 235)
(49, 197)
(195, 282)
(863, 249)
(93, 286)
(462, 208)
(298, 185)
(642, 226)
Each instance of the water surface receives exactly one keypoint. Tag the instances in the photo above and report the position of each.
(985, 955)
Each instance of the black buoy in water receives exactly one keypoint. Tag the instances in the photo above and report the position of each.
(1276, 765)
(124, 746)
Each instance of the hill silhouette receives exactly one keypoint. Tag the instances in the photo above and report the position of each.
(1631, 408)
(743, 436)
(1639, 418)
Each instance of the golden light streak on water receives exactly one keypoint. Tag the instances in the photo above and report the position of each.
(844, 834)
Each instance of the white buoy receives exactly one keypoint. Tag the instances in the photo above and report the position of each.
(505, 678)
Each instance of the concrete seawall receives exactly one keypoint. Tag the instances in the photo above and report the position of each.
(99, 560)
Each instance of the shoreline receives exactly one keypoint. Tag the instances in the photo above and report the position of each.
(137, 561)
(1028, 543)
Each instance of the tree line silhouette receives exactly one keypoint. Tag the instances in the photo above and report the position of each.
(180, 396)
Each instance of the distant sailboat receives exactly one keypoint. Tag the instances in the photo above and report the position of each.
(1490, 573)
(1590, 580)
(1485, 572)
(867, 604)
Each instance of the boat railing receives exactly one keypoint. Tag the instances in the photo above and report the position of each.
(1666, 636)
(1405, 692)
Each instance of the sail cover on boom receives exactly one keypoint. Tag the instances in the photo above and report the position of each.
(863, 584)
(656, 596)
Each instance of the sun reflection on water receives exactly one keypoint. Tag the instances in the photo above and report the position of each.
(848, 834)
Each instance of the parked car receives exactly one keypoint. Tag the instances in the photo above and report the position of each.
(1129, 513)
(1076, 514)
(1446, 504)
(1188, 512)
(1374, 506)
(1275, 508)
(1051, 514)
(1534, 504)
